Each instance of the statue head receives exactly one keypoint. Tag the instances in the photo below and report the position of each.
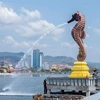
(75, 17)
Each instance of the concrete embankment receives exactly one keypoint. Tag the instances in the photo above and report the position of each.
(5, 73)
(93, 97)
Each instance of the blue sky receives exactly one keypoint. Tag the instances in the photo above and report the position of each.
(22, 22)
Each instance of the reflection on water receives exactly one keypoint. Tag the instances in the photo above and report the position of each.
(24, 83)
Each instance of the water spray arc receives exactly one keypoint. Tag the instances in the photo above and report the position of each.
(41, 37)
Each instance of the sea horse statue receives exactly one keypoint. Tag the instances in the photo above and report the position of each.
(78, 34)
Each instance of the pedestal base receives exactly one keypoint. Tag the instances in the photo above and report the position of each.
(80, 70)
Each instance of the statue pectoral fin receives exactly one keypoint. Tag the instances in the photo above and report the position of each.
(80, 52)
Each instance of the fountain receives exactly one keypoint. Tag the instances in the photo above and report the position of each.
(9, 87)
(80, 68)
(6, 88)
(80, 81)
(41, 37)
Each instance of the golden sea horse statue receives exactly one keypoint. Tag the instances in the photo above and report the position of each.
(80, 68)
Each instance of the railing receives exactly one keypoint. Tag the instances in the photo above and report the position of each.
(64, 81)
(76, 84)
(97, 82)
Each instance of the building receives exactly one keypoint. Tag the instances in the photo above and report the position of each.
(36, 58)
(41, 59)
(54, 67)
(45, 66)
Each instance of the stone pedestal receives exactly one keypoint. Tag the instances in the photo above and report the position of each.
(80, 70)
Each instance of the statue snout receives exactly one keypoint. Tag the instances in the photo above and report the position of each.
(71, 20)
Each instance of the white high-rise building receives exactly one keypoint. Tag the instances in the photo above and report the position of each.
(32, 58)
(41, 59)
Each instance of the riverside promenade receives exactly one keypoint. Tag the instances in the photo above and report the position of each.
(64, 88)
(93, 97)
(73, 84)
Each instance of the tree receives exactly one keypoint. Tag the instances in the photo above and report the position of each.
(33, 69)
(66, 70)
(55, 70)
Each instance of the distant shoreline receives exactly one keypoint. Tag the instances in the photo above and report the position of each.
(5, 73)
(1, 74)
(13, 73)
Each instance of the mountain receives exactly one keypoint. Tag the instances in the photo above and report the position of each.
(94, 65)
(15, 57)
(58, 60)
(11, 57)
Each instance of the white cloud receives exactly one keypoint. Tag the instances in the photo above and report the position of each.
(33, 14)
(57, 33)
(7, 15)
(25, 44)
(95, 30)
(39, 28)
(27, 24)
(87, 35)
(89, 27)
(72, 45)
(34, 28)
(10, 42)
(39, 45)
(69, 45)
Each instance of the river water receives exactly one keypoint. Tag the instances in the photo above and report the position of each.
(22, 86)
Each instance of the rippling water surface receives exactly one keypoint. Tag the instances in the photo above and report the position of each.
(22, 86)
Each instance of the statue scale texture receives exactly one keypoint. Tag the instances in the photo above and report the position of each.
(80, 68)
(78, 34)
